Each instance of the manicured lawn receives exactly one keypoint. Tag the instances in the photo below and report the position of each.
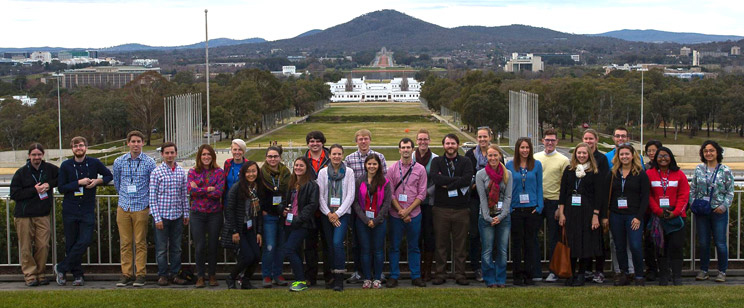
(687, 296)
(727, 140)
(383, 133)
(373, 109)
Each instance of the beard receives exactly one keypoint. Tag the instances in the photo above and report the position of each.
(78, 156)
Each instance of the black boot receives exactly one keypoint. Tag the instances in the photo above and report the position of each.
(676, 272)
(338, 282)
(621, 280)
(230, 281)
(569, 281)
(579, 281)
(246, 281)
(663, 271)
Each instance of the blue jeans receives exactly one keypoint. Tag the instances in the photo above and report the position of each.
(412, 231)
(169, 240)
(372, 241)
(494, 242)
(625, 237)
(78, 236)
(273, 238)
(291, 250)
(716, 224)
(335, 247)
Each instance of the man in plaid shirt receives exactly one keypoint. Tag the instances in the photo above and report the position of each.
(169, 207)
(355, 161)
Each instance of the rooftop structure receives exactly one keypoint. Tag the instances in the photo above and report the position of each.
(103, 76)
(528, 62)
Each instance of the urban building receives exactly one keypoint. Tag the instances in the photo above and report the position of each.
(145, 62)
(528, 62)
(359, 90)
(103, 76)
(685, 51)
(695, 58)
(43, 56)
(25, 100)
(736, 51)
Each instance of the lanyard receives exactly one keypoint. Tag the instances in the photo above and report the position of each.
(131, 178)
(370, 197)
(275, 182)
(41, 174)
(622, 187)
(87, 171)
(404, 178)
(576, 185)
(664, 181)
(523, 171)
(450, 166)
(711, 183)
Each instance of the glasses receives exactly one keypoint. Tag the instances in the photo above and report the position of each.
(662, 156)
(272, 156)
(709, 151)
(78, 146)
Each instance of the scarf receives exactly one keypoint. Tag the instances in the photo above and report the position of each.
(281, 176)
(494, 188)
(581, 170)
(255, 206)
(424, 160)
(481, 161)
(335, 181)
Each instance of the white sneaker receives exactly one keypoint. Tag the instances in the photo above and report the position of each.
(537, 279)
(551, 278)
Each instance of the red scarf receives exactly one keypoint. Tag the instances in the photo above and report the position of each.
(493, 188)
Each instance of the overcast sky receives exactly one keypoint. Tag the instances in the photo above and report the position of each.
(104, 23)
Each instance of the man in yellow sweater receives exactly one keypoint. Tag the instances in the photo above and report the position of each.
(553, 164)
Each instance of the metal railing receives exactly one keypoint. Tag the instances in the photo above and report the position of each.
(104, 249)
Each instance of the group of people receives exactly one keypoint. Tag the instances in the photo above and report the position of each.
(471, 204)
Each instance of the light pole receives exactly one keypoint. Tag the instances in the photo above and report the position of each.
(59, 114)
(642, 70)
(206, 51)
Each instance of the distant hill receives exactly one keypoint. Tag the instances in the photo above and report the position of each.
(311, 32)
(656, 36)
(140, 47)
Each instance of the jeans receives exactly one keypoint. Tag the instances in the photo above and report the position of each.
(311, 251)
(552, 234)
(291, 250)
(715, 224)
(78, 236)
(624, 236)
(206, 248)
(273, 238)
(248, 252)
(412, 231)
(372, 241)
(335, 247)
(169, 240)
(525, 225)
(495, 242)
(474, 251)
(356, 250)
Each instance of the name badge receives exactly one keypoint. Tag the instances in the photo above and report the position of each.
(249, 224)
(664, 202)
(622, 203)
(79, 192)
(131, 189)
(370, 214)
(335, 202)
(276, 200)
(575, 200)
(524, 198)
(43, 196)
(452, 193)
(500, 205)
(289, 217)
(706, 199)
(402, 198)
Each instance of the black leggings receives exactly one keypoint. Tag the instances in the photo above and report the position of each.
(248, 253)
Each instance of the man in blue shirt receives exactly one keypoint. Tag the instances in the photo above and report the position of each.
(132, 180)
(620, 136)
(78, 180)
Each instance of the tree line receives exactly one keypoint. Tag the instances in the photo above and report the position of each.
(671, 104)
(237, 103)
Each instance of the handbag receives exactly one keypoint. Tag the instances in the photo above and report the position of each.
(560, 262)
(702, 206)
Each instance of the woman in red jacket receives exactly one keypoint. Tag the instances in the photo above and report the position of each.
(668, 201)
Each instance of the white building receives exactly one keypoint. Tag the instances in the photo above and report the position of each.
(736, 51)
(528, 62)
(358, 90)
(43, 56)
(145, 62)
(695, 58)
(25, 100)
(685, 51)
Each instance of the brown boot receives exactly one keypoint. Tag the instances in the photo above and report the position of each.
(199, 282)
(213, 281)
(428, 258)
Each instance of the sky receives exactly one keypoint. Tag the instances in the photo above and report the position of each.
(105, 23)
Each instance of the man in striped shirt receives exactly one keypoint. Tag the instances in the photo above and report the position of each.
(169, 207)
(132, 181)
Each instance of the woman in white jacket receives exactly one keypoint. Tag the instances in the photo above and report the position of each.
(337, 190)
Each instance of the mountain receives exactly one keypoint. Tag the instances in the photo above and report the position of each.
(218, 42)
(656, 36)
(311, 32)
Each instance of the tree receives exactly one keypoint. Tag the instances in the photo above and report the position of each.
(12, 113)
(145, 96)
